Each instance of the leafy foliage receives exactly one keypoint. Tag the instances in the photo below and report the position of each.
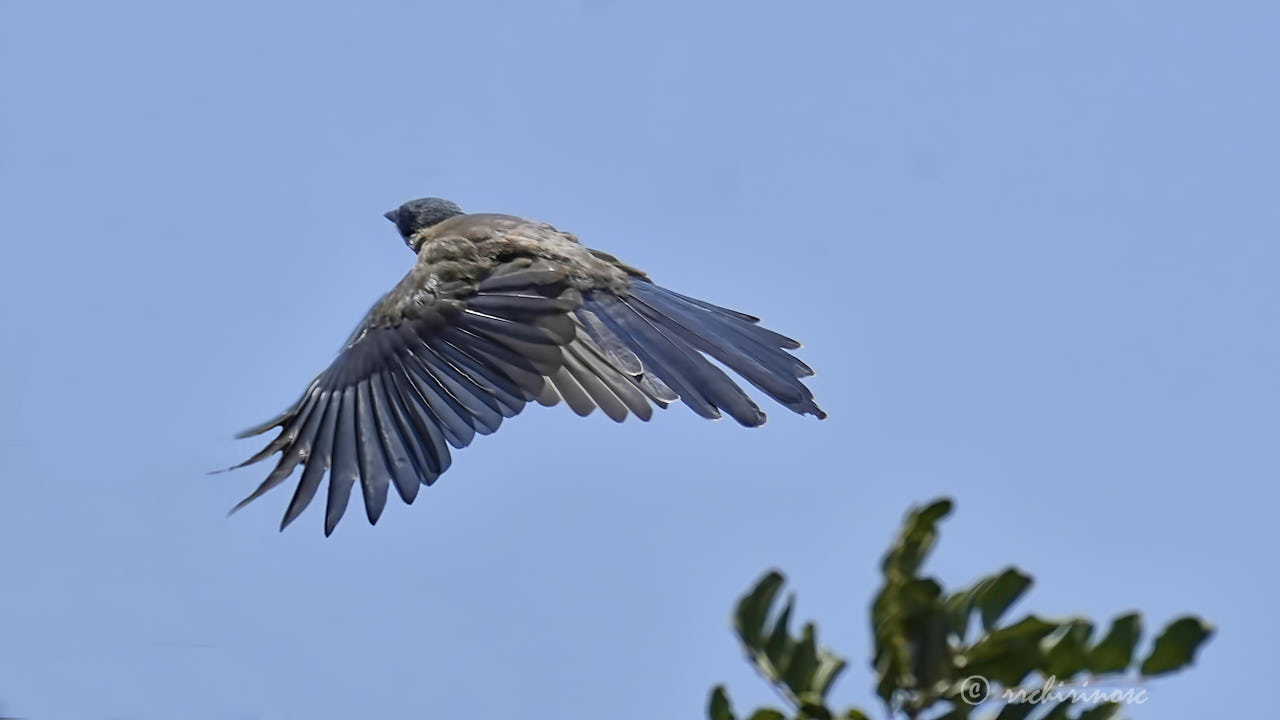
(800, 670)
(931, 659)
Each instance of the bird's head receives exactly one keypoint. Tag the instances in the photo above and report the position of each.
(420, 214)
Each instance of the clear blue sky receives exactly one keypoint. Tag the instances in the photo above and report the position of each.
(1032, 252)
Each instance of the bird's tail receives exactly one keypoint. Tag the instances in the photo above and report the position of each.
(662, 336)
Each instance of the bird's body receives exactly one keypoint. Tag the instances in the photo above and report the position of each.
(499, 311)
(466, 248)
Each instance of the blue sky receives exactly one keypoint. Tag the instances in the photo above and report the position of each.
(1031, 250)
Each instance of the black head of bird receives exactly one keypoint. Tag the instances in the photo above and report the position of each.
(419, 214)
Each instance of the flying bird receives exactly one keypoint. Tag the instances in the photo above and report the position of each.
(499, 311)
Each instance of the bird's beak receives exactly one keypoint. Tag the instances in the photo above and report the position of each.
(390, 215)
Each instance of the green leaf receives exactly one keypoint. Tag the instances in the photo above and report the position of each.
(1029, 628)
(1016, 711)
(1115, 651)
(1009, 654)
(908, 621)
(802, 663)
(754, 606)
(959, 607)
(1066, 651)
(1176, 646)
(919, 596)
(718, 706)
(810, 710)
(991, 596)
(778, 648)
(855, 714)
(829, 667)
(1003, 591)
(932, 661)
(767, 714)
(1059, 711)
(908, 634)
(1103, 711)
(919, 531)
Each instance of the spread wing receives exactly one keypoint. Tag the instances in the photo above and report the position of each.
(653, 343)
(437, 362)
(663, 340)
(413, 382)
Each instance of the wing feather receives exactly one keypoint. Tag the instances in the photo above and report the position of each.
(416, 379)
